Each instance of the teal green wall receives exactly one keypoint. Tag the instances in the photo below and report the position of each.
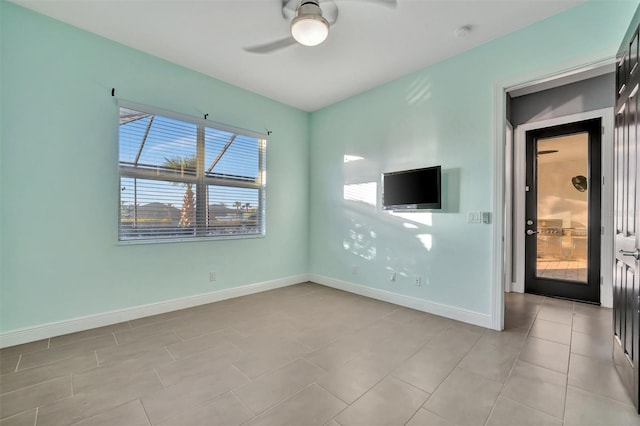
(441, 115)
(59, 178)
(1, 127)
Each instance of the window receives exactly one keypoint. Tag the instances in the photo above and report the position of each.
(183, 178)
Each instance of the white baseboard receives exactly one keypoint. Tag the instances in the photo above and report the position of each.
(458, 314)
(30, 334)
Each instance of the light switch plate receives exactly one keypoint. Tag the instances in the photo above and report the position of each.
(475, 217)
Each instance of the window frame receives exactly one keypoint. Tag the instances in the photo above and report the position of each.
(202, 124)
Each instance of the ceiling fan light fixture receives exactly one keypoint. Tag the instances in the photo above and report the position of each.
(309, 27)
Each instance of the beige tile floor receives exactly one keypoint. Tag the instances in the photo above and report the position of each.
(311, 355)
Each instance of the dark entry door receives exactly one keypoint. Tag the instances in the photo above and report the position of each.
(563, 202)
(626, 274)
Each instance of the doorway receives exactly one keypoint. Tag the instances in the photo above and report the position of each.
(509, 202)
(562, 213)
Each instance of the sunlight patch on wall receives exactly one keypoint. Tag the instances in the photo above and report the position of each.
(361, 242)
(422, 218)
(426, 240)
(419, 91)
(350, 158)
(364, 192)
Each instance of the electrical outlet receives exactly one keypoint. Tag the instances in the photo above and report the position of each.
(417, 280)
(392, 276)
(213, 276)
(354, 269)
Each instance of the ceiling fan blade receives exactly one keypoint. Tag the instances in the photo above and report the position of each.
(388, 3)
(271, 46)
(289, 8)
(329, 11)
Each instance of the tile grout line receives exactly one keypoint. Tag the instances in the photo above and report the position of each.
(525, 403)
(199, 405)
(240, 371)
(145, 411)
(238, 332)
(412, 416)
(312, 362)
(452, 370)
(236, 346)
(553, 321)
(566, 375)
(35, 384)
(4, 419)
(18, 364)
(337, 397)
(515, 361)
(170, 354)
(533, 408)
(506, 380)
(409, 384)
(159, 378)
(243, 404)
(388, 374)
(362, 395)
(513, 366)
(272, 407)
(566, 384)
(419, 408)
(564, 407)
(598, 395)
(275, 370)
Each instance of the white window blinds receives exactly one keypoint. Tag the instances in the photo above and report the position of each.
(188, 179)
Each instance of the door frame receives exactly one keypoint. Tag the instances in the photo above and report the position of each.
(533, 282)
(500, 208)
(508, 202)
(606, 242)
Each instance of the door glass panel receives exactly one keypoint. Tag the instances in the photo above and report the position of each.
(562, 207)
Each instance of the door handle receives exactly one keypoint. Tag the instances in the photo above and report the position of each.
(635, 253)
(531, 232)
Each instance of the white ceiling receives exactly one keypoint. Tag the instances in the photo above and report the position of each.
(370, 44)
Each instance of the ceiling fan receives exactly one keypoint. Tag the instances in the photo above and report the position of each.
(310, 23)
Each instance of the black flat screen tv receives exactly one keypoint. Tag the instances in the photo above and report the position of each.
(416, 189)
